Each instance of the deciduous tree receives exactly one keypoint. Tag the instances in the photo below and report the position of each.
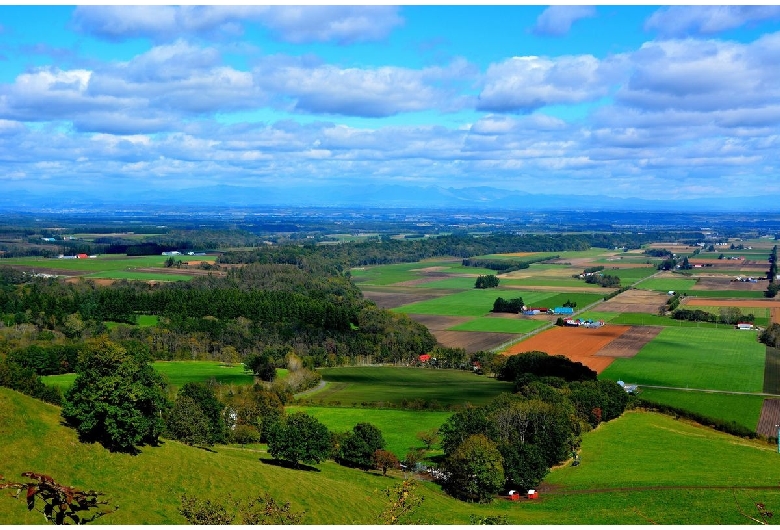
(299, 438)
(116, 398)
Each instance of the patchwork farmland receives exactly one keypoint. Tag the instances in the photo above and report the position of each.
(637, 344)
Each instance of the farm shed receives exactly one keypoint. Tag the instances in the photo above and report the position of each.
(745, 326)
(424, 358)
(563, 311)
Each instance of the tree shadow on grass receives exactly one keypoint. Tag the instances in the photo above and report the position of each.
(288, 465)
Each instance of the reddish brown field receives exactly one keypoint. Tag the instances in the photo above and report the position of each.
(472, 341)
(719, 302)
(770, 417)
(630, 342)
(578, 344)
(776, 315)
(634, 301)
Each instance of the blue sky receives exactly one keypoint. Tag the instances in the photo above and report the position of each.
(628, 101)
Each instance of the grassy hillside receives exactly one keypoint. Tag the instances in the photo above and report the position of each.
(706, 476)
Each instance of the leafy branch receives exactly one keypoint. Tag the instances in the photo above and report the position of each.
(60, 503)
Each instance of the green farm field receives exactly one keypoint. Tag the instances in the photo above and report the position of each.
(646, 319)
(762, 314)
(709, 359)
(399, 427)
(741, 409)
(402, 272)
(499, 325)
(623, 464)
(178, 373)
(372, 384)
(103, 263)
(479, 302)
(667, 284)
(726, 294)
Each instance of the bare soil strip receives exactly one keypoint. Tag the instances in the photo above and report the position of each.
(776, 315)
(629, 343)
(439, 322)
(635, 301)
(472, 341)
(709, 283)
(389, 300)
(772, 371)
(770, 418)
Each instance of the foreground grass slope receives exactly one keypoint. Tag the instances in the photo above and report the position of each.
(624, 462)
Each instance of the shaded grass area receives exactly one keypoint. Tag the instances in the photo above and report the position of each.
(499, 325)
(180, 372)
(399, 427)
(742, 409)
(390, 384)
(715, 359)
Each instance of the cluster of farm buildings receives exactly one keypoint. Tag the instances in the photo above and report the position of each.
(547, 311)
(577, 322)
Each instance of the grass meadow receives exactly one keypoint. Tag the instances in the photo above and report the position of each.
(646, 319)
(710, 359)
(637, 469)
(389, 384)
(178, 373)
(402, 272)
(399, 427)
(742, 409)
(726, 294)
(667, 284)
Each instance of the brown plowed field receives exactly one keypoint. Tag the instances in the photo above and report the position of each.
(578, 344)
(634, 301)
(50, 270)
(472, 341)
(630, 342)
(389, 300)
(719, 302)
(772, 371)
(776, 315)
(709, 283)
(438, 322)
(770, 417)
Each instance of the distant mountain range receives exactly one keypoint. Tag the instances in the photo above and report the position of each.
(378, 196)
